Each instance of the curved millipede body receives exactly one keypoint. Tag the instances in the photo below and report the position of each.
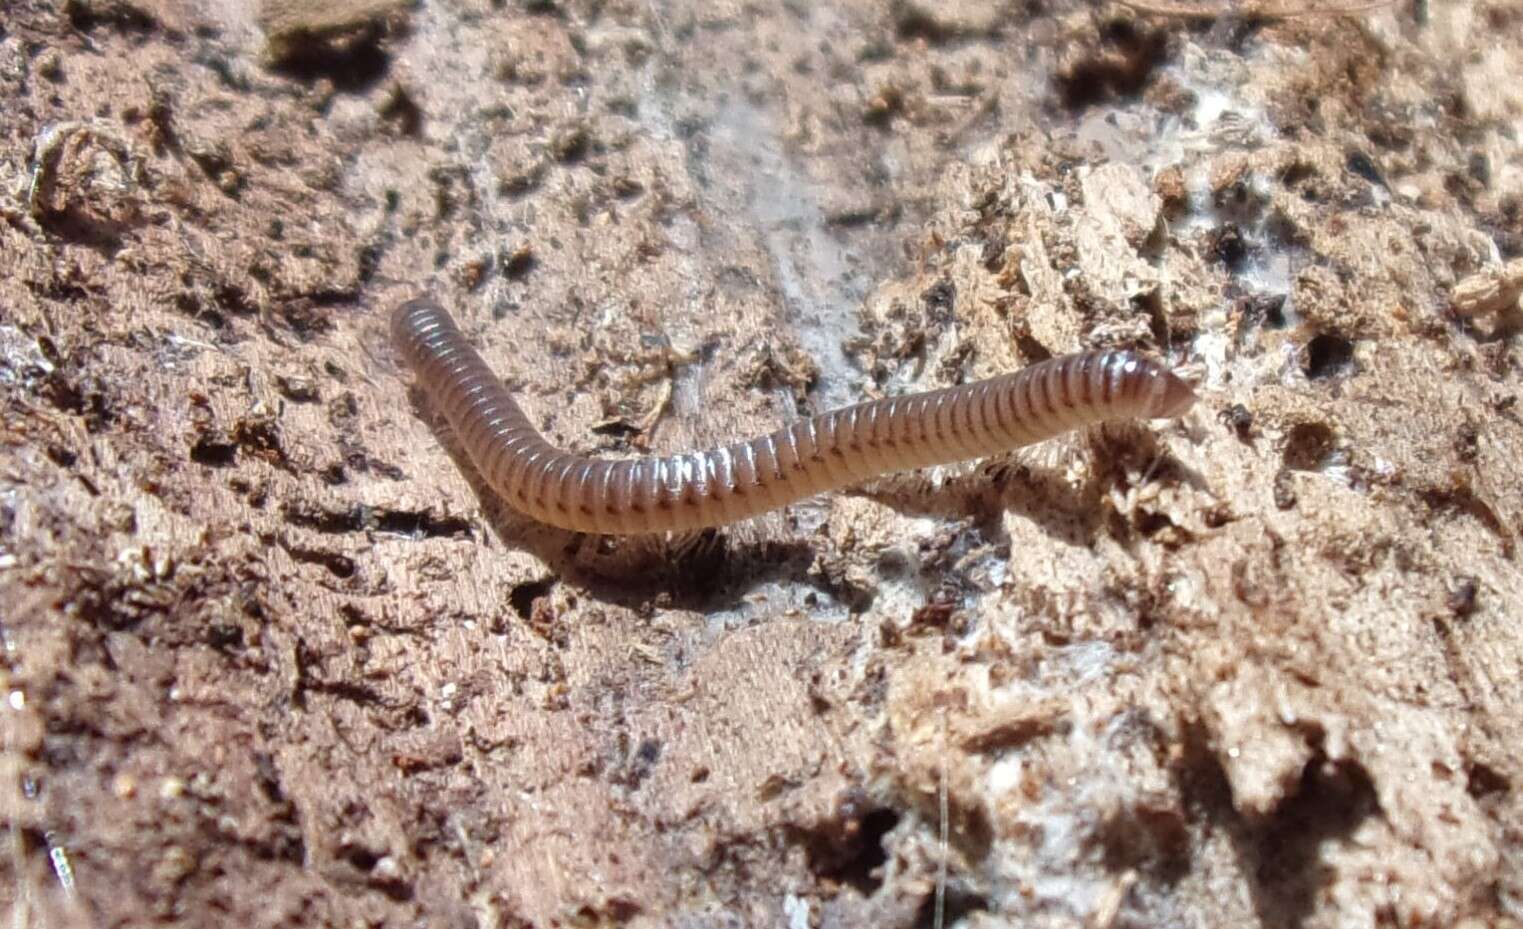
(733, 482)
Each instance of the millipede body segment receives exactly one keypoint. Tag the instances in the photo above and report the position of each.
(733, 482)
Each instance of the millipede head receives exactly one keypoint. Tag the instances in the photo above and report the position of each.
(1168, 394)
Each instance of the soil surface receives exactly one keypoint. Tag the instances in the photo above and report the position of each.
(275, 656)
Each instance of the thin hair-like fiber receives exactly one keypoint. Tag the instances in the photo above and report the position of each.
(733, 482)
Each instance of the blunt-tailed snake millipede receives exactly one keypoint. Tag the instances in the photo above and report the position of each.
(733, 482)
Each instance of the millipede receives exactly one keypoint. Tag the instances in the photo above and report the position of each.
(717, 486)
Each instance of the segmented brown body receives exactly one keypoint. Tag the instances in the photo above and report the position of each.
(733, 482)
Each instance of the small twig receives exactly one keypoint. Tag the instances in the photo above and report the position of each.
(1105, 914)
(1251, 9)
(941, 803)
